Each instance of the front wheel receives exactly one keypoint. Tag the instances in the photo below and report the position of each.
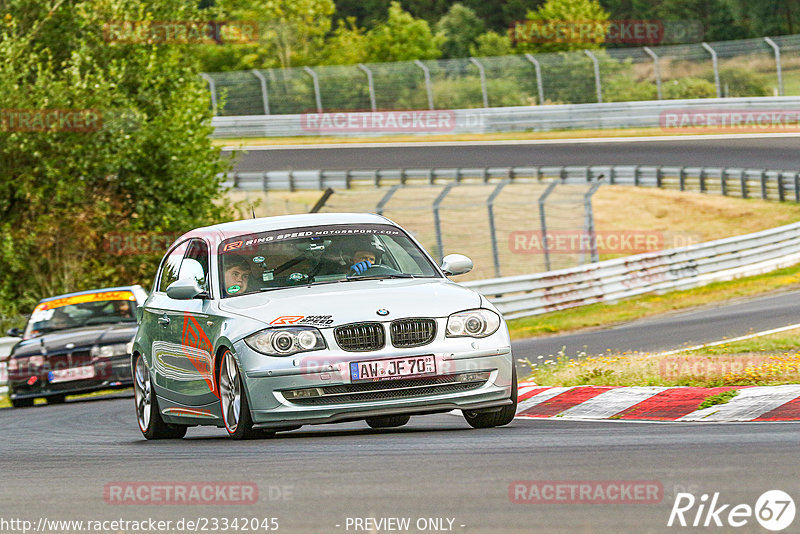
(503, 416)
(233, 400)
(147, 414)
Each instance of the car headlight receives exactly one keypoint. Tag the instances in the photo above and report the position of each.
(286, 341)
(109, 351)
(473, 323)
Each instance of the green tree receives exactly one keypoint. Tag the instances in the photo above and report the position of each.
(541, 32)
(401, 38)
(491, 43)
(135, 157)
(460, 27)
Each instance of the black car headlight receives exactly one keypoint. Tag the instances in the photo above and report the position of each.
(473, 323)
(286, 341)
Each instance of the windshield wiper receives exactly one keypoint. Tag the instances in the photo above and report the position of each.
(380, 276)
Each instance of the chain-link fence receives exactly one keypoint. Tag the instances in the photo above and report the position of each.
(746, 68)
(485, 221)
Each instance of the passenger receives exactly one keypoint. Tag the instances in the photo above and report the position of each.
(237, 275)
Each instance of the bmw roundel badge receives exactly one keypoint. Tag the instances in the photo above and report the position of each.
(383, 312)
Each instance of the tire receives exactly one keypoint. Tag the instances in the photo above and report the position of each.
(22, 403)
(503, 416)
(56, 399)
(234, 403)
(388, 421)
(147, 413)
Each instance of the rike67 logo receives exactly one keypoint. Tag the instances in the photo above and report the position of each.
(774, 510)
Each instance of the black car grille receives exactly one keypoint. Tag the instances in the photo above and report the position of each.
(413, 332)
(388, 390)
(360, 337)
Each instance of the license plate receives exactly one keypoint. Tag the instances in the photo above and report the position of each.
(73, 373)
(393, 368)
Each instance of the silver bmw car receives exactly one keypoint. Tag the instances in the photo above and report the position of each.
(264, 325)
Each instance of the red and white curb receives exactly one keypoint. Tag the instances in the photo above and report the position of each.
(769, 403)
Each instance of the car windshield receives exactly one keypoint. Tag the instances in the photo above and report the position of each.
(81, 310)
(319, 255)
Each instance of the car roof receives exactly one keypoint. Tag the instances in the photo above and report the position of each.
(266, 224)
(133, 289)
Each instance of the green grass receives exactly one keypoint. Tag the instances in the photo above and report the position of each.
(602, 314)
(719, 398)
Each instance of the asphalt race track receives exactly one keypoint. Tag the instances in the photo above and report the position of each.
(62, 458)
(754, 152)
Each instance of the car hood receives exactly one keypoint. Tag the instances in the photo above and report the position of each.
(347, 302)
(82, 338)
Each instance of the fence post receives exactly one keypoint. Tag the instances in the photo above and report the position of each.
(659, 177)
(492, 231)
(212, 86)
(427, 74)
(436, 220)
(589, 223)
(682, 179)
(598, 84)
(264, 94)
(797, 187)
(315, 79)
(543, 222)
(656, 69)
(370, 85)
(781, 190)
(538, 70)
(763, 185)
(702, 179)
(716, 67)
(636, 175)
(385, 199)
(777, 50)
(723, 182)
(483, 81)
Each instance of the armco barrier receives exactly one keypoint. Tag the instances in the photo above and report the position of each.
(609, 281)
(746, 183)
(643, 114)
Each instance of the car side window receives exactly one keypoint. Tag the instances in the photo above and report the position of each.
(195, 263)
(171, 266)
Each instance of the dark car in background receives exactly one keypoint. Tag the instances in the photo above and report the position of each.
(74, 343)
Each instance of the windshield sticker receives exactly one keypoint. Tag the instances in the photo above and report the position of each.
(312, 232)
(296, 276)
(234, 289)
(266, 276)
(314, 320)
(89, 297)
(259, 259)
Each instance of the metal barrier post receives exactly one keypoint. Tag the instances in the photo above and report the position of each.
(264, 95)
(777, 50)
(763, 185)
(716, 67)
(483, 81)
(370, 85)
(427, 74)
(315, 79)
(437, 221)
(385, 199)
(538, 70)
(743, 183)
(492, 230)
(598, 84)
(656, 69)
(723, 182)
(213, 88)
(543, 222)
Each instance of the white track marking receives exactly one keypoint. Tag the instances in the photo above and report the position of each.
(541, 397)
(749, 404)
(610, 402)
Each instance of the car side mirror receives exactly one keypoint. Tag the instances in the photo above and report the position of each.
(454, 264)
(185, 289)
(14, 332)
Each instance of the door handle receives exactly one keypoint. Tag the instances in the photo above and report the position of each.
(163, 320)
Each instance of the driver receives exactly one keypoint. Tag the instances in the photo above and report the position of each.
(365, 254)
(237, 275)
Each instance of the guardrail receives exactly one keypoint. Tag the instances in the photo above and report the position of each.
(781, 185)
(609, 281)
(642, 114)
